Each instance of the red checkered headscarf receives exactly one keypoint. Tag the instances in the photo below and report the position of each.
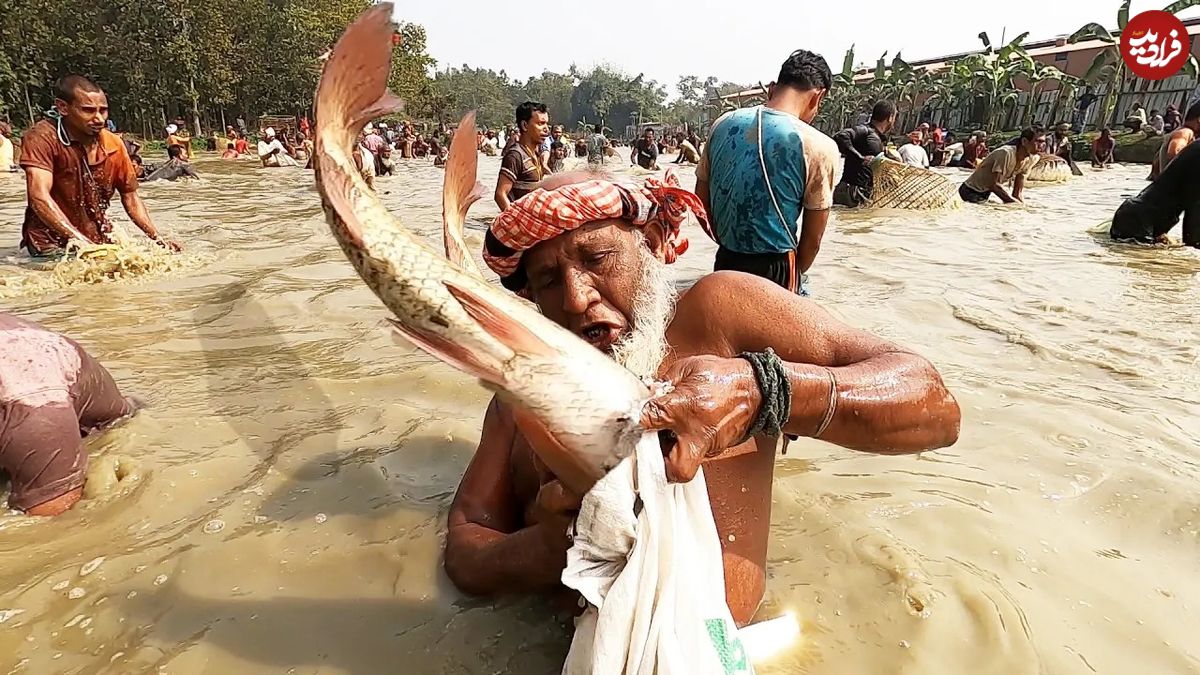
(544, 214)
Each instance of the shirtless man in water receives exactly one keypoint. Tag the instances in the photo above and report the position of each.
(72, 168)
(52, 393)
(604, 277)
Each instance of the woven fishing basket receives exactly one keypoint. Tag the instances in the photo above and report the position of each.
(900, 186)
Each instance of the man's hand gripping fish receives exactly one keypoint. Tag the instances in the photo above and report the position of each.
(578, 408)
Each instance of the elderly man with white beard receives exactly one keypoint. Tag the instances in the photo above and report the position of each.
(748, 362)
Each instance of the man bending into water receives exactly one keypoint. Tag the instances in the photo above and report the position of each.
(859, 145)
(593, 256)
(72, 168)
(1005, 163)
(1147, 217)
(52, 393)
(176, 167)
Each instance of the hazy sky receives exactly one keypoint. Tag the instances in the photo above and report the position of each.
(740, 42)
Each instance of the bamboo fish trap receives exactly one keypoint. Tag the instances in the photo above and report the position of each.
(1049, 169)
(900, 186)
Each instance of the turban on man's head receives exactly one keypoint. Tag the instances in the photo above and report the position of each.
(544, 214)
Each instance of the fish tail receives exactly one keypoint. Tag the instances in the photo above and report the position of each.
(459, 192)
(353, 90)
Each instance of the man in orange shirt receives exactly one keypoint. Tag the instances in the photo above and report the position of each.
(72, 167)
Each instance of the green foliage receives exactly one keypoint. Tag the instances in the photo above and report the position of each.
(574, 99)
(205, 59)
(1108, 67)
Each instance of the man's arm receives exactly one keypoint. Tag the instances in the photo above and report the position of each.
(812, 230)
(888, 399)
(136, 208)
(1018, 186)
(487, 549)
(503, 185)
(702, 187)
(38, 182)
(1176, 146)
(845, 143)
(999, 190)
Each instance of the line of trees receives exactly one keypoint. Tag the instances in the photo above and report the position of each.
(211, 60)
(199, 59)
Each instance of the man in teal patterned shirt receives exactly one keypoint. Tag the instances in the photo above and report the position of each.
(765, 169)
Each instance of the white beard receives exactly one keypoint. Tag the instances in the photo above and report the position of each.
(643, 349)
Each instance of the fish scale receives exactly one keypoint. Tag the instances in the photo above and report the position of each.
(578, 408)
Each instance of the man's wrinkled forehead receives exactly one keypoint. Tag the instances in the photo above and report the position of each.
(592, 235)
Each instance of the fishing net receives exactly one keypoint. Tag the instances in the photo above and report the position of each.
(1049, 169)
(129, 260)
(900, 186)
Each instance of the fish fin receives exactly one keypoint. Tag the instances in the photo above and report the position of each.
(451, 352)
(569, 471)
(459, 191)
(499, 325)
(386, 104)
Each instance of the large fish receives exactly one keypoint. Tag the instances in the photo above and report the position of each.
(578, 408)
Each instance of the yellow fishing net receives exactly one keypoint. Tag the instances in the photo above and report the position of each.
(900, 186)
(128, 260)
(1049, 169)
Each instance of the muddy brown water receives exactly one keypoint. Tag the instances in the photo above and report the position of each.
(298, 463)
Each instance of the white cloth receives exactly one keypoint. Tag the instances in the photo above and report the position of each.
(279, 159)
(653, 579)
(914, 155)
(368, 161)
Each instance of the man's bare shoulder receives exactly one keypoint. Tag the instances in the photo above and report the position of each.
(726, 303)
(725, 289)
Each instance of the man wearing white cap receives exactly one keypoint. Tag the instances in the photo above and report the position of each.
(272, 152)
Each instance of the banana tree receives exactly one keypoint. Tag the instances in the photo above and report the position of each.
(1068, 86)
(880, 86)
(952, 89)
(941, 95)
(1108, 67)
(994, 72)
(908, 82)
(844, 98)
(1037, 74)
